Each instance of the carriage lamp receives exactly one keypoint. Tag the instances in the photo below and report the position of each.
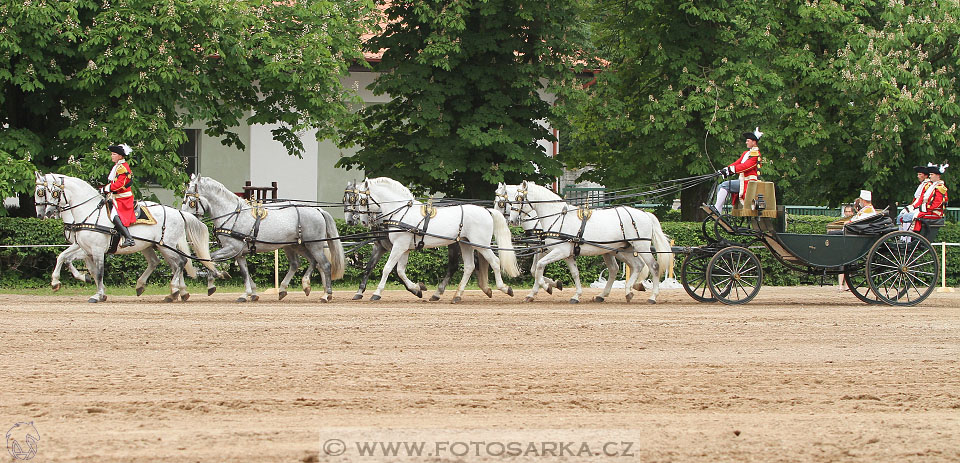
(760, 204)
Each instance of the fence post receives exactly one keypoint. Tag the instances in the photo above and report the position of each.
(943, 270)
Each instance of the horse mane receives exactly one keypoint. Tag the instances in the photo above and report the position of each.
(391, 184)
(541, 190)
(213, 184)
(78, 181)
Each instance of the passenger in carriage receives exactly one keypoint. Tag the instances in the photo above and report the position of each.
(747, 165)
(906, 216)
(935, 200)
(864, 207)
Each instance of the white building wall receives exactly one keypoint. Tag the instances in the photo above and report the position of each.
(269, 162)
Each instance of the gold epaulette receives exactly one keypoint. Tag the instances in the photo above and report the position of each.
(754, 151)
(122, 169)
(942, 189)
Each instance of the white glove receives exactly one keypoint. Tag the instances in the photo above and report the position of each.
(105, 189)
(723, 172)
(909, 209)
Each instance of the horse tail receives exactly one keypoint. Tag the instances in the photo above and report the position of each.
(199, 236)
(662, 244)
(183, 247)
(508, 257)
(336, 257)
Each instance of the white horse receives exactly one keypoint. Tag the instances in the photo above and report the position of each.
(382, 245)
(93, 232)
(47, 207)
(244, 228)
(413, 224)
(624, 232)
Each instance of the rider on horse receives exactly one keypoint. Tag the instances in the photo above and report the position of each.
(119, 191)
(747, 165)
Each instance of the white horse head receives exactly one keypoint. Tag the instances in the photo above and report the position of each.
(351, 201)
(43, 197)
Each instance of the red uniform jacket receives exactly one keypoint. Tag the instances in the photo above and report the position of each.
(748, 166)
(123, 194)
(919, 196)
(934, 207)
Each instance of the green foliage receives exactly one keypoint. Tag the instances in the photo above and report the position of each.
(850, 94)
(31, 267)
(79, 75)
(466, 78)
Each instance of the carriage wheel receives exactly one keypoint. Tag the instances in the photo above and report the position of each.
(693, 276)
(855, 277)
(706, 227)
(902, 268)
(734, 275)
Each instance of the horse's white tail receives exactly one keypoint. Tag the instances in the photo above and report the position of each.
(662, 245)
(508, 257)
(199, 236)
(183, 247)
(336, 257)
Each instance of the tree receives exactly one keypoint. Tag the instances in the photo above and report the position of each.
(686, 79)
(468, 79)
(81, 75)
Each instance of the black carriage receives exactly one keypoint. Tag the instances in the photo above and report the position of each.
(890, 267)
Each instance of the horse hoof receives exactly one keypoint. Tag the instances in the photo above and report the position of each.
(629, 297)
(549, 289)
(140, 290)
(357, 296)
(528, 299)
(652, 301)
(560, 285)
(282, 295)
(423, 287)
(184, 297)
(456, 300)
(434, 298)
(93, 300)
(212, 290)
(598, 299)
(306, 291)
(419, 293)
(56, 287)
(574, 301)
(241, 299)
(375, 298)
(325, 298)
(103, 298)
(168, 299)
(254, 298)
(639, 287)
(87, 278)
(509, 291)
(488, 292)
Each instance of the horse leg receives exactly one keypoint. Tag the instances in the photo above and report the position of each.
(402, 273)
(250, 288)
(305, 279)
(558, 252)
(318, 258)
(68, 255)
(494, 262)
(549, 281)
(483, 276)
(378, 249)
(152, 260)
(466, 251)
(401, 246)
(96, 268)
(575, 274)
(294, 260)
(650, 259)
(613, 269)
(176, 263)
(453, 263)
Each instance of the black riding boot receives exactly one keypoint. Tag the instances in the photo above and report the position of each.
(127, 239)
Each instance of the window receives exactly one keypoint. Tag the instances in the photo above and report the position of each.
(189, 152)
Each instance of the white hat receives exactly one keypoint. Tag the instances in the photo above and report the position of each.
(866, 195)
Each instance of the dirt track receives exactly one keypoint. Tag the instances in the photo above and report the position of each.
(799, 374)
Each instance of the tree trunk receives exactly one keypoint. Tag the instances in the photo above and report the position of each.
(691, 199)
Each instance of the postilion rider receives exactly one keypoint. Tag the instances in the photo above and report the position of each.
(935, 200)
(120, 192)
(747, 165)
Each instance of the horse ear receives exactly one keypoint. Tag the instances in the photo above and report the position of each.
(38, 174)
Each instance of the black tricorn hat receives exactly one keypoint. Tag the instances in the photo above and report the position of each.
(750, 136)
(934, 169)
(121, 149)
(920, 169)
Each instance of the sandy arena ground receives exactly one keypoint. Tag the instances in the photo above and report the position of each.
(799, 374)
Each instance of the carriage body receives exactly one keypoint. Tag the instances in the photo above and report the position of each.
(894, 268)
